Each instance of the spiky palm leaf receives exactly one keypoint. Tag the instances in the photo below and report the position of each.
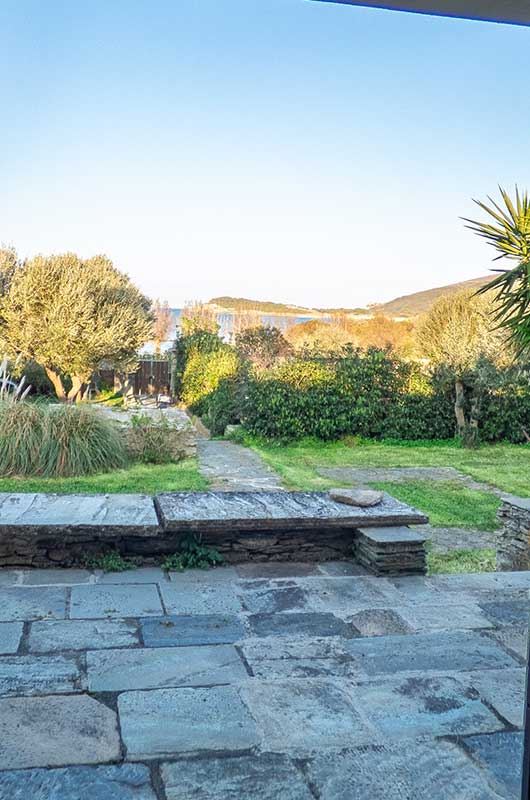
(510, 236)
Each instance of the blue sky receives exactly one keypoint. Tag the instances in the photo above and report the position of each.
(281, 149)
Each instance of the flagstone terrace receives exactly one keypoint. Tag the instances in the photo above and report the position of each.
(299, 681)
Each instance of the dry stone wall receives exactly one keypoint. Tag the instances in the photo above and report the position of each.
(513, 545)
(42, 530)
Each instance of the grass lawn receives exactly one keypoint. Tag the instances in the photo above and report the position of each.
(503, 465)
(447, 503)
(458, 561)
(142, 478)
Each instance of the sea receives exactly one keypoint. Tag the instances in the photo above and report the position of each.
(226, 326)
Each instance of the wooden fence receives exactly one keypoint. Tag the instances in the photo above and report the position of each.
(152, 375)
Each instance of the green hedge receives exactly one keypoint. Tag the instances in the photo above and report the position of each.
(376, 396)
(203, 374)
(420, 416)
(224, 405)
(366, 394)
(505, 416)
(371, 393)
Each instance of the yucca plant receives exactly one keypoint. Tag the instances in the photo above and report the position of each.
(508, 232)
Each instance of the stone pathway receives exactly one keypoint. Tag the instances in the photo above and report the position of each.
(443, 540)
(232, 467)
(299, 681)
(361, 475)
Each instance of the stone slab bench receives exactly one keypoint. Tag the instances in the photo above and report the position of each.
(44, 529)
(289, 526)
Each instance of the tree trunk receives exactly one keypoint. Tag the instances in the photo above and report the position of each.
(84, 395)
(473, 432)
(56, 380)
(77, 385)
(459, 407)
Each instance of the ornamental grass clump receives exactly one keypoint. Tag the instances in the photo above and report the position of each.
(21, 437)
(80, 441)
(50, 441)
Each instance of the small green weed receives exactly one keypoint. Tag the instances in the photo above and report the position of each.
(111, 562)
(193, 555)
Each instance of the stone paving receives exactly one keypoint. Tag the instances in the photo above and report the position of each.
(232, 467)
(292, 681)
(444, 540)
(362, 475)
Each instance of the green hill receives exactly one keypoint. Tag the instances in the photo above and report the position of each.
(411, 305)
(228, 303)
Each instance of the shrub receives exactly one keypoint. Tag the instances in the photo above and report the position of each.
(277, 411)
(224, 405)
(505, 416)
(326, 398)
(112, 561)
(203, 373)
(193, 555)
(373, 394)
(303, 373)
(262, 345)
(419, 416)
(57, 441)
(199, 341)
(371, 381)
(154, 440)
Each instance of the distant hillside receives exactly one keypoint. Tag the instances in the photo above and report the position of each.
(264, 306)
(411, 305)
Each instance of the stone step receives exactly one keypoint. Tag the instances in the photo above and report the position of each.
(391, 550)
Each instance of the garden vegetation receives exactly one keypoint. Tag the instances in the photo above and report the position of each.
(67, 315)
(39, 439)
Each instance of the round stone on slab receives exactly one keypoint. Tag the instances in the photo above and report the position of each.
(356, 497)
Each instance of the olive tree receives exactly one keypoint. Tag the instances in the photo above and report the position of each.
(68, 314)
(9, 262)
(457, 335)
